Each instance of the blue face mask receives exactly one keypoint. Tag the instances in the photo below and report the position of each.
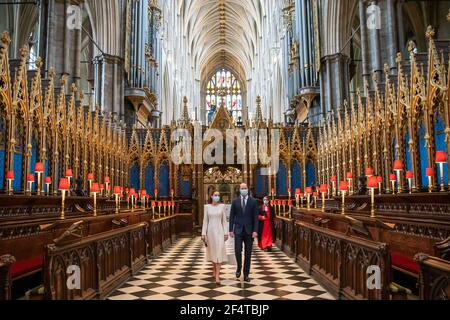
(244, 192)
(216, 199)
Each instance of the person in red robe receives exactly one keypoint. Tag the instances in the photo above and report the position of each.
(267, 233)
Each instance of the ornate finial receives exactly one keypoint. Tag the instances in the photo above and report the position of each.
(24, 52)
(73, 88)
(6, 39)
(430, 33)
(51, 73)
(411, 46)
(63, 80)
(185, 115)
(398, 58)
(258, 109)
(386, 69)
(38, 62)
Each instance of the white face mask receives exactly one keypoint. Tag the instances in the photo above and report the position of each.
(266, 202)
(216, 199)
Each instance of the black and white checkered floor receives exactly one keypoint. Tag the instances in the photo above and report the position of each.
(182, 273)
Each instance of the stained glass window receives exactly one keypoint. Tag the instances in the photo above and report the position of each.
(224, 86)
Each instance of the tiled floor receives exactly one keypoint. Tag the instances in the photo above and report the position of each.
(183, 273)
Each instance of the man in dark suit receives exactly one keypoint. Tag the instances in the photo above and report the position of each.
(244, 228)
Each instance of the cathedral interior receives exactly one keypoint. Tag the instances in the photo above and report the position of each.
(113, 117)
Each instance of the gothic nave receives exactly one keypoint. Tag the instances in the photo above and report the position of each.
(138, 138)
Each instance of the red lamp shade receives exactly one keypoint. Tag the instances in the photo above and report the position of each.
(298, 191)
(63, 184)
(106, 179)
(430, 172)
(409, 175)
(393, 177)
(271, 203)
(69, 173)
(30, 178)
(441, 157)
(369, 172)
(349, 175)
(144, 193)
(323, 188)
(102, 186)
(302, 195)
(48, 180)
(117, 190)
(290, 203)
(90, 177)
(165, 203)
(333, 179)
(39, 167)
(147, 196)
(284, 202)
(156, 191)
(132, 192)
(10, 175)
(289, 190)
(372, 182)
(159, 203)
(95, 188)
(343, 186)
(315, 194)
(309, 190)
(398, 165)
(380, 179)
(127, 190)
(153, 204)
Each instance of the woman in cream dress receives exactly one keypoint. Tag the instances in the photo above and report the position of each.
(215, 234)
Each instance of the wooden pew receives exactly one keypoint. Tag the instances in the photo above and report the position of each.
(339, 262)
(105, 260)
(434, 280)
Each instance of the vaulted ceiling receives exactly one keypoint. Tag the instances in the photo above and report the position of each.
(222, 33)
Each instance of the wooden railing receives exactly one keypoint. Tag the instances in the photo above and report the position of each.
(105, 261)
(340, 262)
(434, 277)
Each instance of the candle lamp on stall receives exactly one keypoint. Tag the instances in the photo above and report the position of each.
(63, 187)
(323, 190)
(333, 185)
(164, 207)
(308, 197)
(102, 188)
(143, 198)
(430, 175)
(30, 181)
(69, 176)
(159, 207)
(398, 168)
(372, 184)
(90, 178)
(441, 159)
(289, 193)
(153, 208)
(95, 188)
(279, 206)
(315, 199)
(10, 179)
(297, 197)
(39, 169)
(350, 182)
(290, 204)
(106, 181)
(380, 184)
(302, 197)
(272, 192)
(328, 191)
(133, 197)
(393, 179)
(156, 194)
(116, 196)
(48, 182)
(409, 176)
(284, 207)
(344, 188)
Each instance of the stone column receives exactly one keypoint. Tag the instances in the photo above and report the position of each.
(392, 41)
(109, 86)
(364, 43)
(375, 51)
